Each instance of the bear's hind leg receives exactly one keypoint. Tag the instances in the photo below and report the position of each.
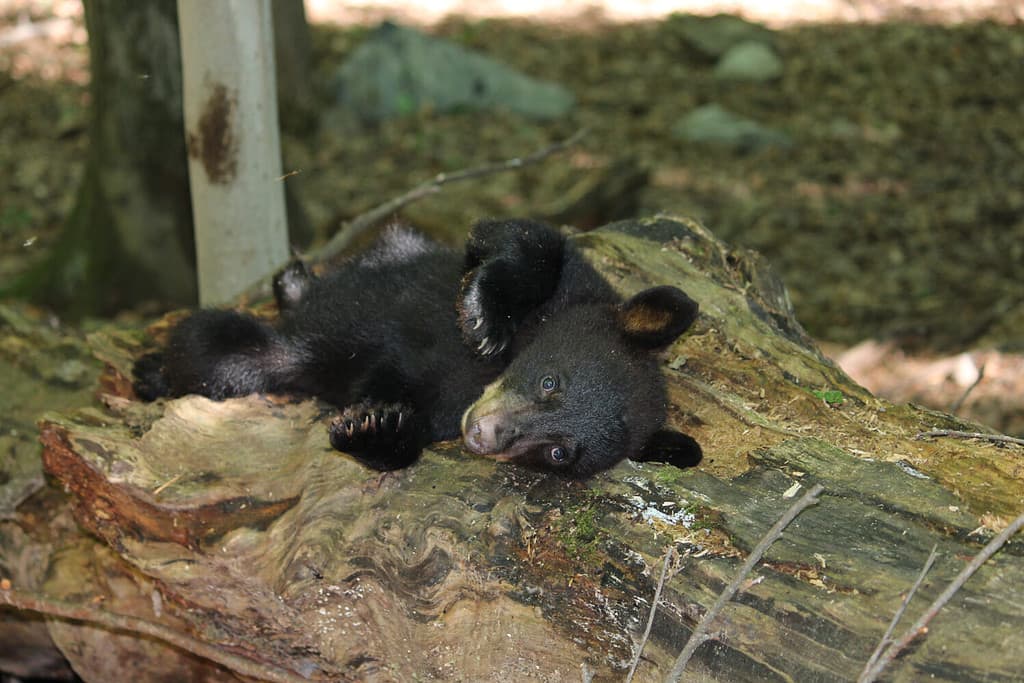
(382, 436)
(150, 381)
(218, 354)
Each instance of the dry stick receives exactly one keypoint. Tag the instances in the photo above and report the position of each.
(957, 404)
(952, 433)
(701, 634)
(121, 622)
(170, 482)
(920, 626)
(364, 221)
(887, 638)
(650, 619)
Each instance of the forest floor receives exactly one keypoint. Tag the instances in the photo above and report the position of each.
(897, 214)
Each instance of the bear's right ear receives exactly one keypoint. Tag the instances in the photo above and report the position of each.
(655, 317)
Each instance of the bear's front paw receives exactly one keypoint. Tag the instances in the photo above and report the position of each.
(486, 323)
(377, 435)
(363, 425)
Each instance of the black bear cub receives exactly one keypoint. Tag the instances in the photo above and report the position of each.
(519, 343)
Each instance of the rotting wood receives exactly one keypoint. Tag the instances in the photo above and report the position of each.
(920, 627)
(462, 568)
(886, 639)
(702, 633)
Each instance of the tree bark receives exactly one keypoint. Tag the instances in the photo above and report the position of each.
(128, 239)
(293, 53)
(260, 540)
(234, 146)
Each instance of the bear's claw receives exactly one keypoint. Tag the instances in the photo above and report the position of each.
(370, 431)
(485, 325)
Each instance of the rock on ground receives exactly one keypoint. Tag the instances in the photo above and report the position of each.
(398, 70)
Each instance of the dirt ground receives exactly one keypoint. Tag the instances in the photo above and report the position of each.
(897, 215)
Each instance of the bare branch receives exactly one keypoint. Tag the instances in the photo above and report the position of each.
(957, 404)
(350, 230)
(366, 220)
(952, 433)
(650, 619)
(121, 622)
(887, 638)
(701, 633)
(920, 626)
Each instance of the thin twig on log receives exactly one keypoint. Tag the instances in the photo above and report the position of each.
(170, 482)
(121, 622)
(887, 638)
(957, 404)
(368, 219)
(952, 433)
(701, 633)
(920, 626)
(650, 619)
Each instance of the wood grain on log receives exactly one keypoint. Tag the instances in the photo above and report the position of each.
(263, 540)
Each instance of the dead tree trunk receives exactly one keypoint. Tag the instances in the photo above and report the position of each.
(234, 525)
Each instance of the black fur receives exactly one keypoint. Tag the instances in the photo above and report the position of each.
(404, 338)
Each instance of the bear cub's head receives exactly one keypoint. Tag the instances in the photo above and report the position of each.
(587, 391)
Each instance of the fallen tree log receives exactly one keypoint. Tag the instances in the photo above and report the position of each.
(236, 529)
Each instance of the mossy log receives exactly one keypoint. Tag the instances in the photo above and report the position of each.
(236, 525)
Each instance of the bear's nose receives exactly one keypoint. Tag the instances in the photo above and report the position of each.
(483, 435)
(489, 435)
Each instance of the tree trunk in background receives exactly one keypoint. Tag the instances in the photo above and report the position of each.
(234, 146)
(293, 49)
(297, 105)
(129, 237)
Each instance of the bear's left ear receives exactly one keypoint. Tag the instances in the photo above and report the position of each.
(671, 447)
(656, 316)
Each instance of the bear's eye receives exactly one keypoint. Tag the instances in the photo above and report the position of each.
(557, 454)
(548, 384)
